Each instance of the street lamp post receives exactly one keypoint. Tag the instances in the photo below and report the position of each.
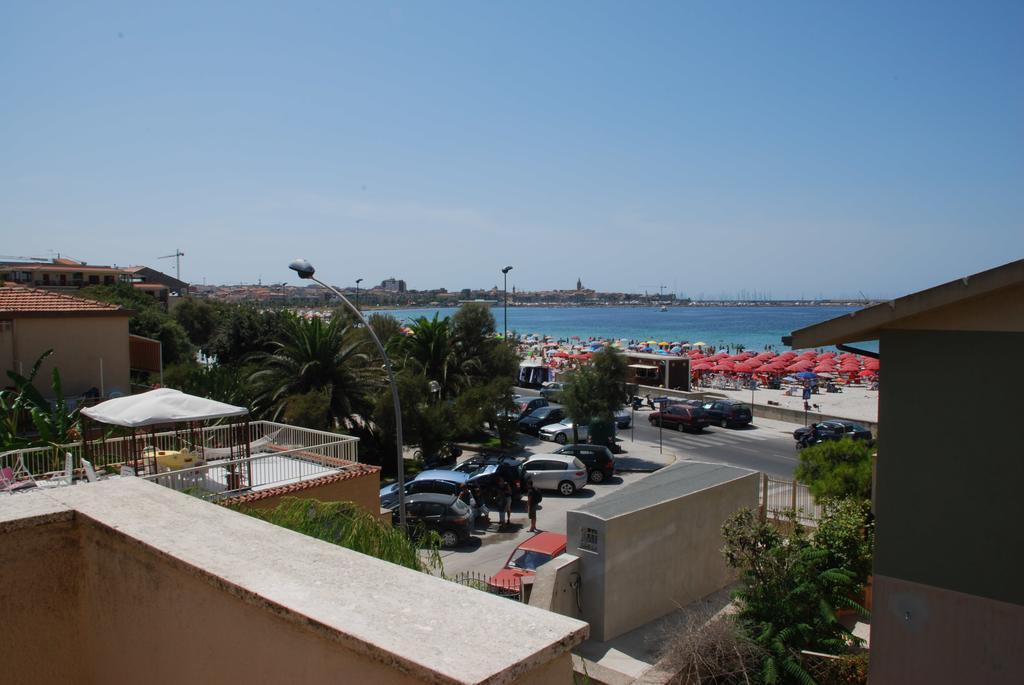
(358, 281)
(306, 270)
(504, 273)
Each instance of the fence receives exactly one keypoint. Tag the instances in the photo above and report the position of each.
(225, 478)
(780, 496)
(511, 589)
(211, 442)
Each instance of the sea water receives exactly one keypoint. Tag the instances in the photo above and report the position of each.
(755, 328)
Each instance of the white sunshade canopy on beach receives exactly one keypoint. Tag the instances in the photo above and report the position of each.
(162, 405)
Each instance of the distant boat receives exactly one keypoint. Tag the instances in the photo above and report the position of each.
(663, 308)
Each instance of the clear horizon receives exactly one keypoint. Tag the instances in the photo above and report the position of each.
(864, 150)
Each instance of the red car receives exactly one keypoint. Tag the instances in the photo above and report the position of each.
(527, 558)
(682, 417)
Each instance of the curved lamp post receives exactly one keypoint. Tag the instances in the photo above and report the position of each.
(504, 273)
(306, 270)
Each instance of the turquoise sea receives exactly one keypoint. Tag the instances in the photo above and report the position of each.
(754, 328)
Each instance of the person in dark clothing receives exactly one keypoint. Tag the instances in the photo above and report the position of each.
(532, 499)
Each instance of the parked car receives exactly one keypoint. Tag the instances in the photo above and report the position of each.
(446, 514)
(598, 459)
(623, 417)
(538, 418)
(727, 413)
(487, 476)
(527, 558)
(551, 391)
(561, 432)
(836, 429)
(562, 472)
(682, 417)
(526, 404)
(442, 481)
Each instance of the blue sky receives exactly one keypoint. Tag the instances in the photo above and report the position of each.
(792, 148)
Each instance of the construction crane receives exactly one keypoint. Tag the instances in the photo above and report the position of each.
(178, 254)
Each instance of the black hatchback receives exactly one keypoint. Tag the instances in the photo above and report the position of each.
(599, 460)
(446, 514)
(726, 413)
(540, 417)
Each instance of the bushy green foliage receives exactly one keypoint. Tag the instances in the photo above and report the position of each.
(847, 532)
(243, 330)
(54, 422)
(347, 525)
(309, 410)
(217, 382)
(836, 468)
(791, 587)
(596, 390)
(199, 318)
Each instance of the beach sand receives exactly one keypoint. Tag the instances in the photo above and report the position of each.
(855, 402)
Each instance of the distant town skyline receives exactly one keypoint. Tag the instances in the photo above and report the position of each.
(841, 150)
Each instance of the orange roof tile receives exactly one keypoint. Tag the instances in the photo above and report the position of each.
(21, 300)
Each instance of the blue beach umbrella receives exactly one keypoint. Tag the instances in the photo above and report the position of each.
(806, 375)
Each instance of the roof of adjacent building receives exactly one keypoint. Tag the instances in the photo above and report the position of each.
(957, 299)
(672, 482)
(19, 301)
(17, 266)
(354, 470)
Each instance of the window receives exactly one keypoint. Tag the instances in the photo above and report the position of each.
(433, 509)
(588, 539)
(108, 280)
(94, 280)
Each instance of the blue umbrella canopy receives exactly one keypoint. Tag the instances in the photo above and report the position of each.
(806, 375)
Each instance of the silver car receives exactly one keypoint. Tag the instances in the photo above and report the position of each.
(562, 432)
(562, 472)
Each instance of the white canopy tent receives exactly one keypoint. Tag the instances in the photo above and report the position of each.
(160, 406)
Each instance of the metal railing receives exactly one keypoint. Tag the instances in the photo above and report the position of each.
(225, 478)
(45, 462)
(489, 584)
(779, 496)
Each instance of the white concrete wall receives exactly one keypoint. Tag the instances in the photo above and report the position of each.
(651, 561)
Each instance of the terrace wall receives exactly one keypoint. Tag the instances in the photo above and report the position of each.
(125, 581)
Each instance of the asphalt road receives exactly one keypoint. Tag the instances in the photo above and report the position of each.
(766, 446)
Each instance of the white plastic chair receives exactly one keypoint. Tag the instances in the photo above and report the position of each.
(90, 472)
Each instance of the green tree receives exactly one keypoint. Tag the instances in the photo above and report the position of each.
(790, 589)
(345, 524)
(580, 398)
(198, 317)
(387, 328)
(482, 356)
(595, 391)
(216, 382)
(429, 350)
(837, 469)
(243, 330)
(314, 355)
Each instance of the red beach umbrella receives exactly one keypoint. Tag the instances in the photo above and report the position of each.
(866, 373)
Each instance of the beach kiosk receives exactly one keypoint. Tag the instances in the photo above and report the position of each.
(658, 370)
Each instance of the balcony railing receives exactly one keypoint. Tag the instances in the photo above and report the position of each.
(210, 443)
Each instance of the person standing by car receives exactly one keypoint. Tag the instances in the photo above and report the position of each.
(533, 497)
(506, 491)
(499, 502)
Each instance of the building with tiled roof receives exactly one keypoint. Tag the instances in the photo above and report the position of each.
(89, 340)
(63, 273)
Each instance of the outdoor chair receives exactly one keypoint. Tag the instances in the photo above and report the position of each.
(18, 478)
(66, 477)
(90, 472)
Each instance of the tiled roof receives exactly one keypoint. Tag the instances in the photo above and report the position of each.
(14, 298)
(352, 470)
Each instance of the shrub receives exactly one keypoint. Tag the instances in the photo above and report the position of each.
(836, 468)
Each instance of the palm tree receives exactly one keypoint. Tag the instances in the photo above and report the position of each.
(430, 350)
(314, 356)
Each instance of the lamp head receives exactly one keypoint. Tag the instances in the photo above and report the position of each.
(358, 281)
(302, 267)
(506, 269)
